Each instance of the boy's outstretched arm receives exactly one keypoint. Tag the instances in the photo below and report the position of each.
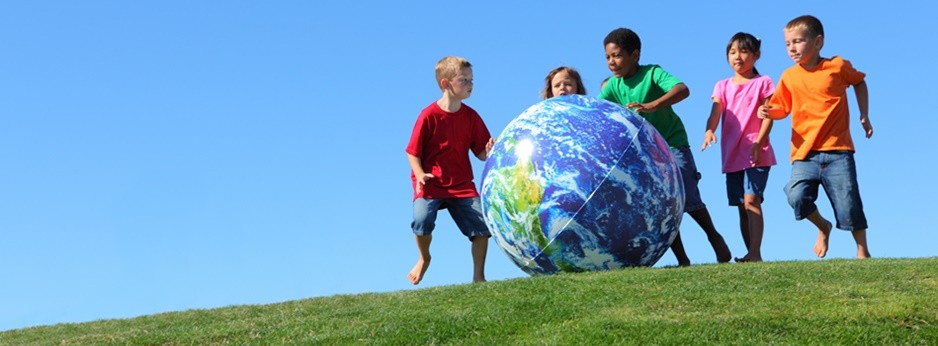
(767, 112)
(712, 123)
(677, 94)
(863, 103)
(417, 166)
(488, 148)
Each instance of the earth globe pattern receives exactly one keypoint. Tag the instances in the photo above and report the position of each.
(575, 183)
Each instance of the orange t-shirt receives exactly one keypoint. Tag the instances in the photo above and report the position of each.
(817, 101)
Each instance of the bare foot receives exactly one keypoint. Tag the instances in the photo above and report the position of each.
(722, 251)
(683, 264)
(478, 279)
(724, 255)
(416, 274)
(863, 254)
(823, 238)
(748, 258)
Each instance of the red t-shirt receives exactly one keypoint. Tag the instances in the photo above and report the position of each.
(442, 141)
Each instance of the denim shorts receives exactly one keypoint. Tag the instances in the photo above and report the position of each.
(690, 176)
(837, 172)
(750, 181)
(467, 212)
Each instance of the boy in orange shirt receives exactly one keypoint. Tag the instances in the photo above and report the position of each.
(814, 91)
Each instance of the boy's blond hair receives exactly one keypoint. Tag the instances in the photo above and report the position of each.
(810, 24)
(449, 67)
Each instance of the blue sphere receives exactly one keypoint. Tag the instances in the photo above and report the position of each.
(575, 183)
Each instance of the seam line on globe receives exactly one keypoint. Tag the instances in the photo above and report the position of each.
(588, 198)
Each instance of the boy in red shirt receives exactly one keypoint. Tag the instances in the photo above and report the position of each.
(814, 91)
(445, 132)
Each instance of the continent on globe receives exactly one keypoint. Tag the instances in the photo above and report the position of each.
(575, 183)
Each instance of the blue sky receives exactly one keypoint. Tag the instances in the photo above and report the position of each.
(175, 155)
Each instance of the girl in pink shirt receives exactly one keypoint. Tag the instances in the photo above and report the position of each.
(747, 154)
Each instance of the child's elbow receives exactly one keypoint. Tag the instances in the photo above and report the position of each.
(682, 90)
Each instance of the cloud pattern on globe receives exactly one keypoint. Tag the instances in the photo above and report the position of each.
(575, 183)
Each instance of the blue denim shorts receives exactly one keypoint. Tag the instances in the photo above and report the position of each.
(690, 176)
(467, 212)
(750, 181)
(837, 172)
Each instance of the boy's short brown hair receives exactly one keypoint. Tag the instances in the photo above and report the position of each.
(449, 67)
(810, 24)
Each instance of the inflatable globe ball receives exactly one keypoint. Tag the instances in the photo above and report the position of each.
(575, 184)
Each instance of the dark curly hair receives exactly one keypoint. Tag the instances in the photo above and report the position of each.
(625, 38)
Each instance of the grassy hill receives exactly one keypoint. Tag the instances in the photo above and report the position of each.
(879, 301)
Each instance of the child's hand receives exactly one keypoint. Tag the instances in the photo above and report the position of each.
(709, 139)
(484, 155)
(867, 126)
(423, 179)
(763, 112)
(755, 154)
(641, 107)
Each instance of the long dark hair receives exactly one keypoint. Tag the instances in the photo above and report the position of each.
(748, 42)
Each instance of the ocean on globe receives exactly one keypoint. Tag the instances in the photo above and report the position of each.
(575, 183)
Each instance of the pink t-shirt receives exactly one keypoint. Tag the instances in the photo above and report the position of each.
(741, 124)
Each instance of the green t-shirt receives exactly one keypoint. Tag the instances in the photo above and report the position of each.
(648, 84)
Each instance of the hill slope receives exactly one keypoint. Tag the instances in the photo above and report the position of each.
(891, 301)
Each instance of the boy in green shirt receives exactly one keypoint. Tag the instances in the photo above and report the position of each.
(650, 91)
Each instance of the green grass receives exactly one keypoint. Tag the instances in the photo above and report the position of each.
(879, 301)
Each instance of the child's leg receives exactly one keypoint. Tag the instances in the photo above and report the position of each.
(425, 211)
(423, 262)
(702, 217)
(467, 212)
(802, 191)
(735, 193)
(839, 179)
(753, 206)
(694, 205)
(480, 247)
(824, 233)
(677, 247)
(744, 224)
(754, 183)
(862, 250)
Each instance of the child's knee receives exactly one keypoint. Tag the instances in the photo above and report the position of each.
(796, 196)
(801, 202)
(752, 202)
